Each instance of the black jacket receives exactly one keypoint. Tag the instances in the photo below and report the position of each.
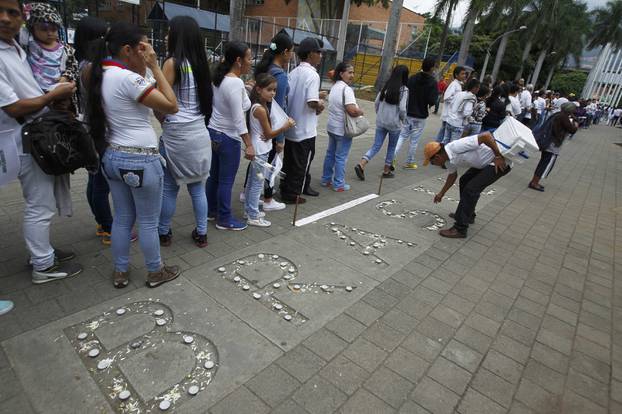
(422, 93)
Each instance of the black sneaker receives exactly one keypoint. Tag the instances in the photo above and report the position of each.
(56, 272)
(166, 239)
(199, 239)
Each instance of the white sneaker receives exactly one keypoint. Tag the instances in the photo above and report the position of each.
(273, 205)
(260, 215)
(243, 198)
(56, 272)
(259, 222)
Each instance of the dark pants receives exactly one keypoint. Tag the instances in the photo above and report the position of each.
(225, 163)
(546, 164)
(268, 191)
(296, 157)
(97, 192)
(472, 183)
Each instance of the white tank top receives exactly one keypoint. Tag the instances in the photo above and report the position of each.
(187, 99)
(256, 131)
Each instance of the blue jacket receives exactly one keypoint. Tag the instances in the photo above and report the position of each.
(282, 90)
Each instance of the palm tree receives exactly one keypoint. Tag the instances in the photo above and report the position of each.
(476, 8)
(443, 6)
(607, 25)
(537, 14)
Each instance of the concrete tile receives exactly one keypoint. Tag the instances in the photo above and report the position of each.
(17, 404)
(550, 357)
(407, 364)
(365, 354)
(473, 338)
(400, 321)
(537, 398)
(363, 402)
(450, 375)
(434, 397)
(503, 366)
(301, 363)
(240, 401)
(590, 366)
(436, 329)
(318, 396)
(345, 327)
(423, 346)
(493, 387)
(462, 355)
(389, 387)
(344, 374)
(383, 336)
(273, 385)
(476, 403)
(289, 407)
(544, 376)
(588, 387)
(325, 344)
(483, 324)
(518, 332)
(410, 407)
(364, 313)
(448, 316)
(575, 404)
(511, 348)
(380, 300)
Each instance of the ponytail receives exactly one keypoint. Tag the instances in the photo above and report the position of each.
(119, 35)
(278, 45)
(232, 51)
(94, 105)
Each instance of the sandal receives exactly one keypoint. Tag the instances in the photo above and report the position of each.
(536, 187)
(388, 175)
(120, 279)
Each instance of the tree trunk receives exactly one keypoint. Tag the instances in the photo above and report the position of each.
(523, 59)
(390, 41)
(441, 48)
(467, 35)
(499, 57)
(236, 15)
(343, 30)
(549, 77)
(538, 68)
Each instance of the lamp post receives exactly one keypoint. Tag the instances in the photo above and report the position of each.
(481, 76)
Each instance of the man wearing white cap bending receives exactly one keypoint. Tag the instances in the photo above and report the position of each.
(481, 157)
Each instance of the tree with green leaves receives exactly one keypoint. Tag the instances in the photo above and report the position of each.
(447, 7)
(475, 10)
(607, 25)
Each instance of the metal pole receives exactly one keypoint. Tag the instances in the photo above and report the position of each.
(602, 77)
(601, 60)
(358, 42)
(427, 42)
(613, 68)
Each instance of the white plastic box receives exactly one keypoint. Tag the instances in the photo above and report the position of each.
(515, 140)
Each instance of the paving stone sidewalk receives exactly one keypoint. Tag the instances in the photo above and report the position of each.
(524, 316)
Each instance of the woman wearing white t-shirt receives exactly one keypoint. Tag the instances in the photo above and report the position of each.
(185, 142)
(119, 112)
(340, 100)
(227, 129)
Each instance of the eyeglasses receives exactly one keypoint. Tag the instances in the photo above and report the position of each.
(46, 27)
(11, 12)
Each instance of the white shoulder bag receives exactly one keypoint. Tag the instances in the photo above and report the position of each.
(353, 125)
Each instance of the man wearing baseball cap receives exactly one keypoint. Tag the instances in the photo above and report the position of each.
(481, 157)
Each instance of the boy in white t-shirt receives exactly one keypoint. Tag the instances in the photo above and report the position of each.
(304, 104)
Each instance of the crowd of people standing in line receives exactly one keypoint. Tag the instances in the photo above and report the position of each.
(209, 120)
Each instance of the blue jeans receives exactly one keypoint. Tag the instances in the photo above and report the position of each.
(254, 185)
(411, 131)
(225, 163)
(381, 133)
(135, 182)
(336, 159)
(451, 133)
(441, 132)
(169, 202)
(97, 192)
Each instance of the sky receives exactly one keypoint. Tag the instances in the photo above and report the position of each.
(422, 6)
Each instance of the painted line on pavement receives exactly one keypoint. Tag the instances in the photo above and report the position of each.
(334, 210)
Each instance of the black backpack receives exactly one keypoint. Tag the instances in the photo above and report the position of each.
(544, 133)
(59, 143)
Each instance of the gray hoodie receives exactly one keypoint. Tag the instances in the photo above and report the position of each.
(390, 116)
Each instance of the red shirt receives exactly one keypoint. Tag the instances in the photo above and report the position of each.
(442, 85)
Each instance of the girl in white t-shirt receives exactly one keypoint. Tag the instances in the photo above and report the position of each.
(119, 109)
(262, 133)
(340, 100)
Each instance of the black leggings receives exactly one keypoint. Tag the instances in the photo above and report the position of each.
(547, 161)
